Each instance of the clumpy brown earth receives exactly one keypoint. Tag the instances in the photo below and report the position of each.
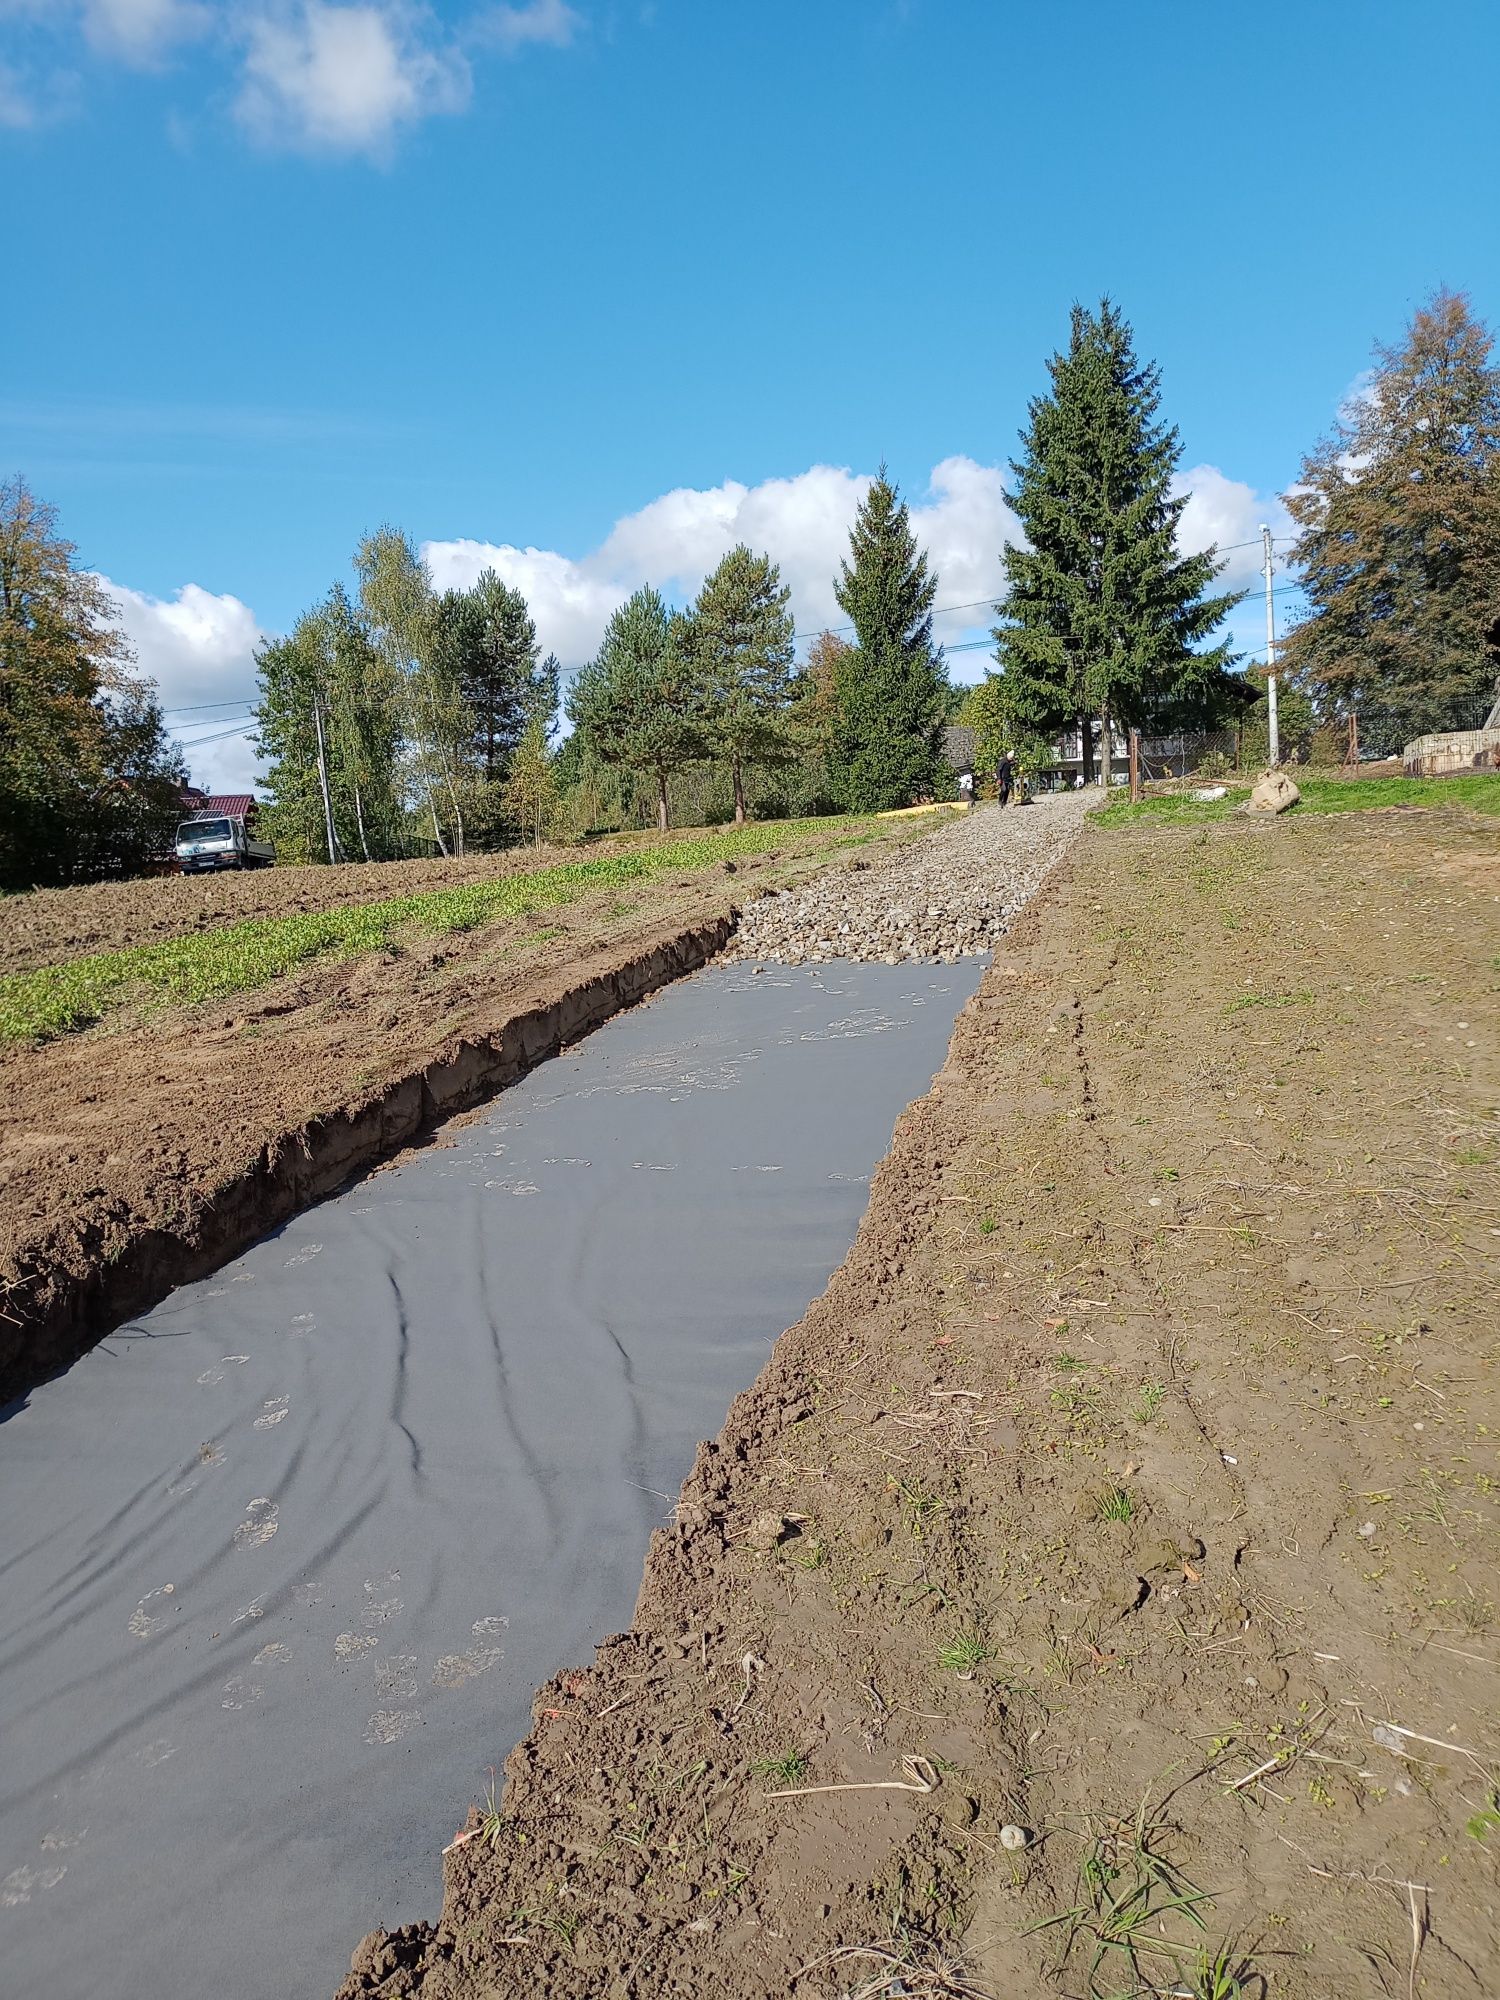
(125, 1151)
(1133, 1485)
(48, 925)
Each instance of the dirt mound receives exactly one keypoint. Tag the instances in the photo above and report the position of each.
(1130, 1487)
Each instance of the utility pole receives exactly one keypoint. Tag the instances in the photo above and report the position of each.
(1274, 732)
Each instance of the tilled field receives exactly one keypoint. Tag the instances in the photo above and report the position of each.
(1096, 1593)
(50, 925)
(948, 897)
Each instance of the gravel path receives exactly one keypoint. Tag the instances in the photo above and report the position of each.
(943, 898)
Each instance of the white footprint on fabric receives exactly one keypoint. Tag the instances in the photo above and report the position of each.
(273, 1409)
(258, 1525)
(275, 1654)
(381, 1603)
(240, 1693)
(349, 1645)
(151, 1754)
(58, 1839)
(389, 1725)
(453, 1669)
(303, 1256)
(24, 1883)
(396, 1677)
(214, 1375)
(256, 1608)
(150, 1615)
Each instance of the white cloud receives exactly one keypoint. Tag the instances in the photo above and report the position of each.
(346, 78)
(142, 31)
(551, 23)
(802, 522)
(198, 648)
(1228, 513)
(571, 606)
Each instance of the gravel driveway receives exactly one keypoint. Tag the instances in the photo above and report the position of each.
(942, 898)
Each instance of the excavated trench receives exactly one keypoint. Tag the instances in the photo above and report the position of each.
(286, 1557)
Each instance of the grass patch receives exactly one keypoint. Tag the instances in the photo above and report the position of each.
(1479, 791)
(785, 1770)
(965, 1655)
(1299, 999)
(1114, 1504)
(238, 957)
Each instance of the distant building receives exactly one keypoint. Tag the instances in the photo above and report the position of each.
(232, 805)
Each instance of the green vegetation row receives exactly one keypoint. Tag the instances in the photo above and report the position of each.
(1480, 792)
(236, 958)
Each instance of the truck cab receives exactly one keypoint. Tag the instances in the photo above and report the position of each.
(220, 840)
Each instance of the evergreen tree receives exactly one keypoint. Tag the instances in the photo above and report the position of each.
(485, 642)
(639, 702)
(1399, 544)
(89, 782)
(741, 634)
(891, 686)
(1103, 614)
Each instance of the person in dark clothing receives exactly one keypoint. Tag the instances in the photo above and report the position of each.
(1005, 777)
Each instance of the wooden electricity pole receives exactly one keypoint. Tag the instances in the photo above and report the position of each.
(1135, 767)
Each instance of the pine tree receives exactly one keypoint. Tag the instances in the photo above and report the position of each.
(639, 702)
(741, 634)
(1399, 549)
(1103, 614)
(485, 641)
(891, 686)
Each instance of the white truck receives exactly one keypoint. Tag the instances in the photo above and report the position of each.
(220, 840)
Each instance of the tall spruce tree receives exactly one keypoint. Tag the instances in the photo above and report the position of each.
(639, 701)
(742, 634)
(891, 685)
(1103, 614)
(1399, 546)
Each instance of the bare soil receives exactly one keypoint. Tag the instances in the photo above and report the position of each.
(47, 926)
(1132, 1486)
(142, 1152)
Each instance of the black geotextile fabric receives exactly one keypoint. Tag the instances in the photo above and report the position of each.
(284, 1561)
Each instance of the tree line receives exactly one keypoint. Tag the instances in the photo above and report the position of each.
(395, 718)
(395, 714)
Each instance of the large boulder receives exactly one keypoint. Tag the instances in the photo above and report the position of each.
(1273, 793)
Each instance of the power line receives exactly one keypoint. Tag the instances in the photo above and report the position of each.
(199, 742)
(197, 708)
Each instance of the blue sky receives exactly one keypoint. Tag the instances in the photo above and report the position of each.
(592, 289)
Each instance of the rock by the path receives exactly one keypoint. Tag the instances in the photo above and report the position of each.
(1273, 793)
(947, 896)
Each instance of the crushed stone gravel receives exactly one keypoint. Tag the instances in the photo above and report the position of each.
(948, 896)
